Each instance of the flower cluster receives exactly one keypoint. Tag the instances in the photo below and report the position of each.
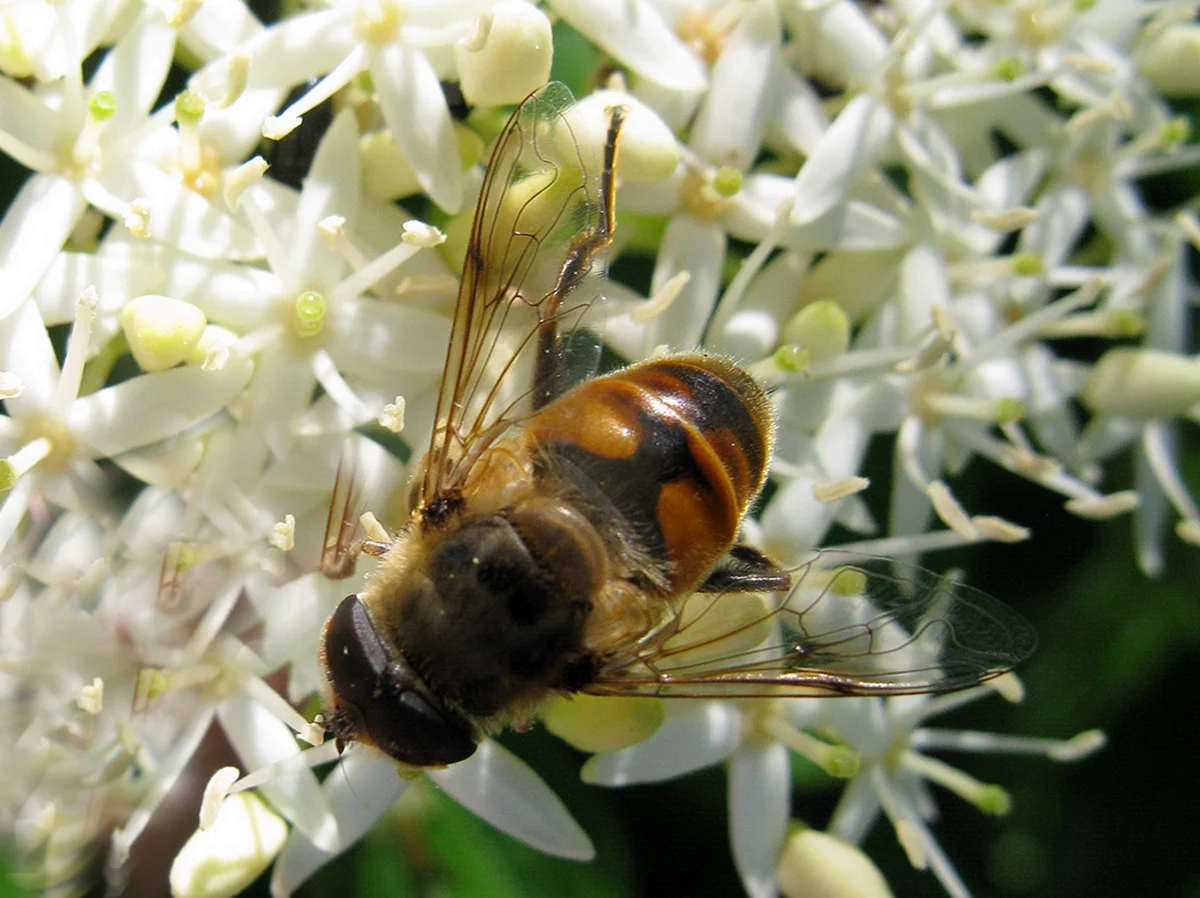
(899, 216)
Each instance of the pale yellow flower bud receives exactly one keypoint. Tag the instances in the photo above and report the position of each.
(507, 57)
(815, 864)
(1142, 384)
(230, 854)
(161, 331)
(648, 149)
(1172, 61)
(821, 328)
(603, 723)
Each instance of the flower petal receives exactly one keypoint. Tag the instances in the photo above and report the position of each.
(134, 70)
(695, 735)
(505, 792)
(415, 109)
(35, 226)
(154, 406)
(759, 803)
(729, 127)
(178, 215)
(634, 32)
(261, 738)
(358, 794)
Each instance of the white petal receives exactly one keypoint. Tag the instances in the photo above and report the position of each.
(729, 127)
(697, 247)
(154, 406)
(634, 32)
(35, 225)
(29, 125)
(838, 41)
(261, 738)
(217, 27)
(800, 116)
(359, 793)
(1063, 213)
(300, 48)
(846, 150)
(923, 285)
(374, 338)
(180, 216)
(759, 806)
(134, 70)
(795, 518)
(331, 188)
(415, 109)
(504, 791)
(117, 274)
(26, 351)
(82, 487)
(853, 225)
(695, 735)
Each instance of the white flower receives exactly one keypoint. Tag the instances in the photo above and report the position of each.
(753, 739)
(51, 435)
(890, 738)
(402, 46)
(89, 144)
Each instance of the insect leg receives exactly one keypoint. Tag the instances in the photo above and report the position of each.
(746, 570)
(339, 549)
(550, 375)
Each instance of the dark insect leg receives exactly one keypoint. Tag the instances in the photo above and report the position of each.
(550, 376)
(746, 570)
(339, 550)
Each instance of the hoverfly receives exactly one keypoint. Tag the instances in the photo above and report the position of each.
(584, 538)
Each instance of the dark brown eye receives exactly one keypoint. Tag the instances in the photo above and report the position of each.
(379, 700)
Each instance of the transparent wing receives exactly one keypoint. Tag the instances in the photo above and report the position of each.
(544, 213)
(847, 626)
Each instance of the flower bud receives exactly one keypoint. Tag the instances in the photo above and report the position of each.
(161, 331)
(815, 864)
(1142, 384)
(227, 856)
(603, 723)
(1172, 61)
(507, 57)
(387, 173)
(648, 149)
(821, 328)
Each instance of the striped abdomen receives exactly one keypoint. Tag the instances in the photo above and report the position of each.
(678, 447)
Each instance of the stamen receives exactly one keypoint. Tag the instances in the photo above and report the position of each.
(754, 262)
(325, 369)
(214, 794)
(989, 798)
(367, 274)
(237, 74)
(839, 761)
(661, 301)
(1006, 220)
(276, 127)
(839, 489)
(283, 534)
(21, 461)
(11, 386)
(304, 760)
(1070, 750)
(1101, 508)
(1159, 448)
(392, 416)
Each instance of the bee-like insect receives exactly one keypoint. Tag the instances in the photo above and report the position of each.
(568, 538)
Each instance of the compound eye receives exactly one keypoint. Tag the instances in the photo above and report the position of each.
(380, 701)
